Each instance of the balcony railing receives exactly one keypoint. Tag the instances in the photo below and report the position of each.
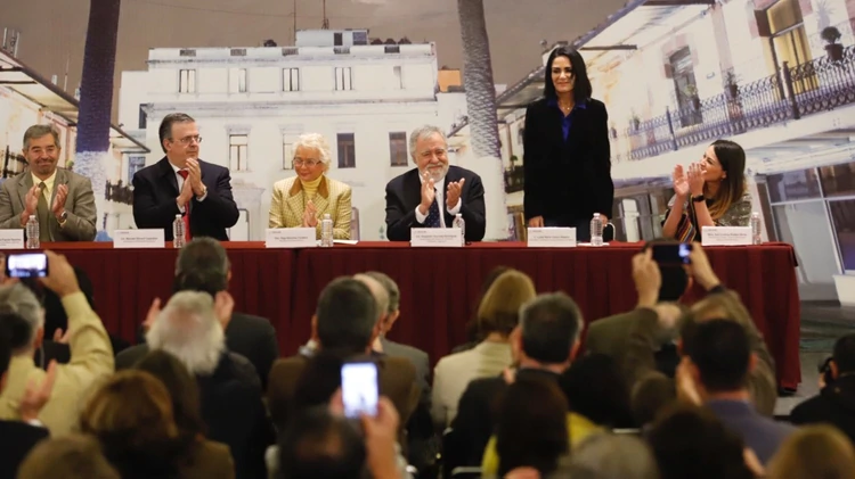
(119, 193)
(791, 93)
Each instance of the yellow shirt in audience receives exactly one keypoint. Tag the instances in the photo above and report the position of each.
(578, 428)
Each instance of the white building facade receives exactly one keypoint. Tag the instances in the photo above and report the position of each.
(251, 104)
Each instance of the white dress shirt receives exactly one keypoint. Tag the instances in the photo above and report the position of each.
(180, 180)
(440, 194)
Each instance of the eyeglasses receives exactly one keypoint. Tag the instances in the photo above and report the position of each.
(189, 139)
(438, 152)
(301, 162)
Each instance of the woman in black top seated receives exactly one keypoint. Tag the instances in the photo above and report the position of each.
(711, 193)
(566, 162)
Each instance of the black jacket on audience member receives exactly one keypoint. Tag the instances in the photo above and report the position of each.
(834, 405)
(16, 441)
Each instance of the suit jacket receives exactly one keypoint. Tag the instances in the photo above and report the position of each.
(17, 439)
(253, 337)
(289, 201)
(80, 205)
(567, 178)
(396, 378)
(404, 193)
(91, 361)
(155, 191)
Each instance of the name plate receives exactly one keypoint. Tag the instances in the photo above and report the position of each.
(11, 239)
(291, 238)
(552, 237)
(145, 238)
(726, 236)
(436, 237)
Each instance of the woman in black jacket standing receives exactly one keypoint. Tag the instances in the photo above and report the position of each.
(566, 161)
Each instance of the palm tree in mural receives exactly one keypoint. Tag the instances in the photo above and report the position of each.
(479, 86)
(96, 97)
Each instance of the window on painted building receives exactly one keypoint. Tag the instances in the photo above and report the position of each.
(290, 79)
(237, 80)
(187, 81)
(398, 148)
(343, 78)
(238, 152)
(143, 119)
(287, 153)
(346, 150)
(135, 163)
(399, 77)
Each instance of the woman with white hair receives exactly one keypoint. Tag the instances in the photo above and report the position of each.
(303, 200)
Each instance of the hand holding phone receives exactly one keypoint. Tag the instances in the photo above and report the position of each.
(26, 265)
(359, 389)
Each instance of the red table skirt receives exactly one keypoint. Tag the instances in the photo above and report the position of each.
(438, 286)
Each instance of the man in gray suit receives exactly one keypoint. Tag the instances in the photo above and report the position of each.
(61, 200)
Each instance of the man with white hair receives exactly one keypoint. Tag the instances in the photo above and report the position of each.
(91, 352)
(190, 328)
(430, 195)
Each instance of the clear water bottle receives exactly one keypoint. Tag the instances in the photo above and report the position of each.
(326, 231)
(597, 230)
(459, 222)
(33, 233)
(756, 228)
(179, 232)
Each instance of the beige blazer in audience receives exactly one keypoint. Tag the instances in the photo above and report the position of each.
(91, 360)
(454, 373)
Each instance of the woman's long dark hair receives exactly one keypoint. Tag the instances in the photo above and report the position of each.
(582, 89)
(731, 156)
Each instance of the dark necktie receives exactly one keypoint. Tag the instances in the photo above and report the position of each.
(187, 235)
(44, 214)
(432, 220)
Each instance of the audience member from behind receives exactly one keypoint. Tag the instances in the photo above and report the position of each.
(347, 321)
(203, 265)
(610, 456)
(131, 416)
(690, 442)
(835, 403)
(202, 459)
(717, 363)
(814, 452)
(421, 441)
(73, 456)
(189, 327)
(594, 389)
(498, 315)
(610, 335)
(473, 336)
(91, 354)
(544, 344)
(17, 438)
(531, 430)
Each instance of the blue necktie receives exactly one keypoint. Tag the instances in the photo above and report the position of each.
(432, 220)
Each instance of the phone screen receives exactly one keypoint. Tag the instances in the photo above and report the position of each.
(359, 389)
(672, 253)
(27, 265)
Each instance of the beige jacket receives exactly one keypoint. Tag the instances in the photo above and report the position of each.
(289, 202)
(91, 361)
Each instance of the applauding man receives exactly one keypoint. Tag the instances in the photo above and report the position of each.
(181, 183)
(430, 195)
(61, 201)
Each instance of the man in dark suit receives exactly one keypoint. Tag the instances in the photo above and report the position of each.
(835, 403)
(545, 343)
(203, 265)
(181, 184)
(430, 195)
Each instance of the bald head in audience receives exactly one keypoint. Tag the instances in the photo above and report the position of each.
(189, 329)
